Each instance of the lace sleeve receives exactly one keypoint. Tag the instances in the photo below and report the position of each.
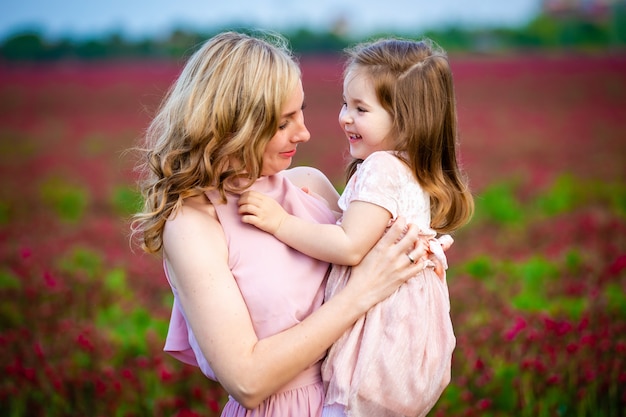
(378, 180)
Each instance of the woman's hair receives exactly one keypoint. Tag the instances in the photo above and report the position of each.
(413, 83)
(213, 125)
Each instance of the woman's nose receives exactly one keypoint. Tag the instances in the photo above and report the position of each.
(303, 134)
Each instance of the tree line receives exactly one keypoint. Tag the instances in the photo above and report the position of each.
(542, 33)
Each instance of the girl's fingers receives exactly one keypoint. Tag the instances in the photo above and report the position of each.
(248, 197)
(395, 233)
(405, 236)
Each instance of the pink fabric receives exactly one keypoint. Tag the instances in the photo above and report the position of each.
(395, 361)
(301, 397)
(280, 286)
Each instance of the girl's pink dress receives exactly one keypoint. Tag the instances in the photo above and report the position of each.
(395, 361)
(280, 286)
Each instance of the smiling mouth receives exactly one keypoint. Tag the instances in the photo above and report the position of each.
(289, 154)
(353, 137)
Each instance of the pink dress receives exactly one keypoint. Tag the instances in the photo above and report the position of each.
(280, 286)
(395, 361)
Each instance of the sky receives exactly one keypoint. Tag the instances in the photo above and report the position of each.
(147, 18)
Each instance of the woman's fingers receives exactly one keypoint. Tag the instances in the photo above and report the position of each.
(407, 250)
(418, 252)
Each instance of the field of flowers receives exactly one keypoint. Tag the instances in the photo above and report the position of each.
(537, 280)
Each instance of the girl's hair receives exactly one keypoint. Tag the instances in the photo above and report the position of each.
(413, 83)
(213, 125)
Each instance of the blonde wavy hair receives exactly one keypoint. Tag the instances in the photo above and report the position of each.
(212, 128)
(413, 82)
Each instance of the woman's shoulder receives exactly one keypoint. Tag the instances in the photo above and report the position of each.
(194, 214)
(309, 178)
(314, 182)
(304, 176)
(186, 235)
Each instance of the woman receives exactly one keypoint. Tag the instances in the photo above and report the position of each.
(248, 309)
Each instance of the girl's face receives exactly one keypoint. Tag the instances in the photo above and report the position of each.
(366, 123)
(291, 131)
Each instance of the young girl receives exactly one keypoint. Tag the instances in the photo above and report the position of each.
(399, 117)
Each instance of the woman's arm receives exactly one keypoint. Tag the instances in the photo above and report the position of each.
(248, 368)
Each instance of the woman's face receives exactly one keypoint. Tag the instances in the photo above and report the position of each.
(291, 131)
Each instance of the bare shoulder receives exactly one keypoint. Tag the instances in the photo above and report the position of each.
(314, 180)
(195, 212)
(192, 227)
(304, 176)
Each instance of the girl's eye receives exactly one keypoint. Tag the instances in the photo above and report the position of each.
(283, 126)
(361, 109)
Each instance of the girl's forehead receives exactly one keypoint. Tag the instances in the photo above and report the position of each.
(356, 79)
(352, 73)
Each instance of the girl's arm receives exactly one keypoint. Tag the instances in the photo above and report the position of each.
(346, 244)
(249, 368)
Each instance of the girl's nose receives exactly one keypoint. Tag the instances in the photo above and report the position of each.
(344, 116)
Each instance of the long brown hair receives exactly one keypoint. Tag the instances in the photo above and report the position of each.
(224, 107)
(413, 83)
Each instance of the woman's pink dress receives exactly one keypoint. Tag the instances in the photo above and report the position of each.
(395, 361)
(280, 286)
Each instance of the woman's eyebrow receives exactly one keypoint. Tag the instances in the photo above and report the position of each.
(288, 115)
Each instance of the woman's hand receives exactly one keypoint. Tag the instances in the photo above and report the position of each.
(397, 257)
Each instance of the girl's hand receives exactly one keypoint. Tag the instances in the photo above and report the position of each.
(436, 256)
(261, 211)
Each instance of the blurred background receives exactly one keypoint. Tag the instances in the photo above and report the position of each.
(51, 30)
(537, 279)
